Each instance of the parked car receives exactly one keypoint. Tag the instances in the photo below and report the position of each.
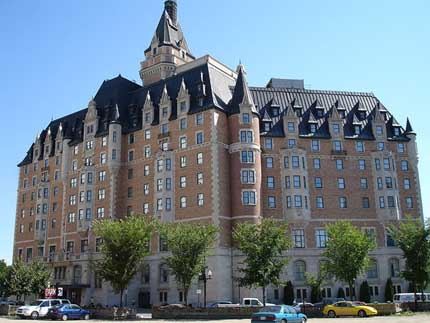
(218, 303)
(410, 297)
(12, 303)
(39, 308)
(328, 301)
(68, 311)
(299, 307)
(278, 313)
(348, 309)
(247, 302)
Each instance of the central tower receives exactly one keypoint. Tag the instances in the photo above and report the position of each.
(168, 48)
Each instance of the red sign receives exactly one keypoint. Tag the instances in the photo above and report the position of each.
(49, 292)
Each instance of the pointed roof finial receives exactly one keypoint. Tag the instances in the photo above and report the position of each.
(409, 130)
(116, 117)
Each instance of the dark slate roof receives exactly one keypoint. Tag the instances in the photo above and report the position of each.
(209, 87)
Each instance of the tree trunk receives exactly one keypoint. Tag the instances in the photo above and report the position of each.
(415, 296)
(264, 295)
(350, 291)
(121, 292)
(185, 290)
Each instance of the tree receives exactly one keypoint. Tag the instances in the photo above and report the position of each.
(289, 293)
(340, 293)
(125, 244)
(262, 245)
(414, 239)
(365, 292)
(347, 252)
(389, 290)
(315, 284)
(40, 277)
(189, 245)
(4, 279)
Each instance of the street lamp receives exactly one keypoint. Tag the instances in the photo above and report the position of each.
(204, 277)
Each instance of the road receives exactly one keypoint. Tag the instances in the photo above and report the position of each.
(418, 318)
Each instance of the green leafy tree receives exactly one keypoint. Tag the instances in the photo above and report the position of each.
(289, 293)
(5, 271)
(125, 244)
(414, 239)
(41, 275)
(262, 245)
(315, 284)
(365, 292)
(189, 245)
(347, 252)
(20, 280)
(389, 290)
(340, 293)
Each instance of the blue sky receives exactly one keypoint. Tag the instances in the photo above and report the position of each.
(55, 54)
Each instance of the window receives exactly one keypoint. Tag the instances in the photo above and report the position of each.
(268, 143)
(297, 201)
(341, 183)
(296, 181)
(313, 127)
(377, 163)
(113, 154)
(183, 142)
(406, 183)
(396, 131)
(247, 157)
(100, 212)
(361, 164)
(379, 183)
(336, 128)
(168, 184)
(101, 194)
(147, 134)
(299, 270)
(199, 178)
(88, 214)
(71, 217)
(295, 161)
(337, 145)
(271, 202)
(363, 183)
(380, 146)
(386, 164)
(183, 182)
(114, 136)
(401, 148)
(146, 170)
(89, 145)
(247, 176)
(159, 185)
(292, 143)
(199, 138)
(321, 238)
(317, 163)
(319, 202)
(200, 199)
(246, 136)
(389, 182)
(269, 162)
(199, 119)
(73, 182)
(104, 141)
(339, 164)
(381, 202)
(145, 208)
(299, 238)
(379, 131)
(315, 145)
(248, 198)
(390, 201)
(291, 127)
(365, 202)
(409, 203)
(183, 106)
(342, 202)
(72, 199)
(394, 267)
(288, 202)
(183, 202)
(130, 173)
(183, 161)
(75, 149)
(145, 189)
(131, 155)
(147, 152)
(199, 158)
(318, 182)
(245, 118)
(159, 204)
(102, 176)
(372, 269)
(359, 146)
(74, 168)
(404, 165)
(183, 123)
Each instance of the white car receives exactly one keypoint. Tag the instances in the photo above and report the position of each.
(39, 308)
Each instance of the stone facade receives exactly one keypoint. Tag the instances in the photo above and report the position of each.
(197, 144)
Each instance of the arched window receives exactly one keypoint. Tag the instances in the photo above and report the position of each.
(394, 267)
(299, 270)
(372, 270)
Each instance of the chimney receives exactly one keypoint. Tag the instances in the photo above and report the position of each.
(172, 8)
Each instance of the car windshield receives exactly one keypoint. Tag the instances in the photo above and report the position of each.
(273, 309)
(35, 303)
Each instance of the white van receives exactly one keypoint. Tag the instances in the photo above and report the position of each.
(39, 308)
(410, 297)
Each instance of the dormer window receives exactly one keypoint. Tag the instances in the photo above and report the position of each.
(183, 106)
(164, 112)
(362, 115)
(342, 114)
(357, 130)
(201, 101)
(336, 128)
(320, 112)
(147, 116)
(379, 130)
(154, 50)
(245, 118)
(291, 127)
(313, 127)
(275, 111)
(47, 148)
(90, 129)
(298, 110)
(266, 126)
(396, 131)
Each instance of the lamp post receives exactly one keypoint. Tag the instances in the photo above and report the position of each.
(204, 277)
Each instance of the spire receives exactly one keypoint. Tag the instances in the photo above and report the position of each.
(409, 130)
(242, 95)
(172, 9)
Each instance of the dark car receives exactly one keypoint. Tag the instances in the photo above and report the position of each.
(68, 311)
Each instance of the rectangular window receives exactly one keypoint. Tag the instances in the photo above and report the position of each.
(102, 176)
(381, 202)
(145, 189)
(199, 138)
(199, 158)
(183, 182)
(289, 201)
(101, 194)
(380, 146)
(145, 208)
(337, 145)
(401, 148)
(246, 136)
(183, 201)
(183, 161)
(147, 151)
(389, 182)
(363, 183)
(268, 143)
(365, 202)
(336, 128)
(339, 164)
(147, 134)
(291, 127)
(299, 238)
(247, 157)
(159, 204)
(286, 162)
(361, 164)
(292, 143)
(271, 202)
(379, 183)
(318, 182)
(183, 124)
(200, 199)
(245, 118)
(270, 182)
(100, 212)
(342, 202)
(359, 146)
(131, 155)
(295, 161)
(409, 203)
(199, 119)
(341, 183)
(183, 142)
(168, 204)
(321, 238)
(248, 198)
(269, 162)
(377, 163)
(406, 183)
(296, 181)
(168, 184)
(247, 176)
(317, 163)
(168, 164)
(199, 178)
(404, 165)
(159, 185)
(391, 201)
(298, 201)
(146, 170)
(319, 202)
(315, 145)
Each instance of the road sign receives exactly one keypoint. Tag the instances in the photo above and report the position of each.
(199, 291)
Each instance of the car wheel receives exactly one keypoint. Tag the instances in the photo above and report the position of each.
(361, 313)
(283, 321)
(34, 315)
(87, 317)
(303, 320)
(331, 314)
(64, 317)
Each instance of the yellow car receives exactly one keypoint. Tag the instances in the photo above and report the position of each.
(348, 309)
